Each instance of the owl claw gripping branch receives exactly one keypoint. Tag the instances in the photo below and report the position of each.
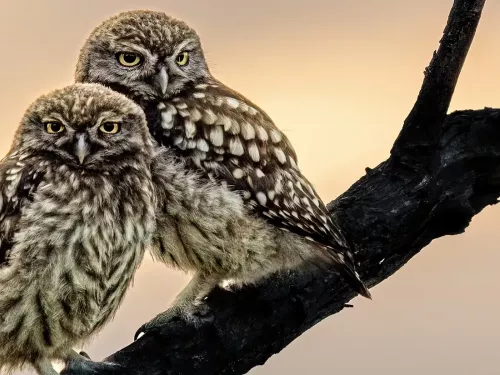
(235, 205)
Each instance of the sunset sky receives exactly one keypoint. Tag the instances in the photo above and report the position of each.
(339, 77)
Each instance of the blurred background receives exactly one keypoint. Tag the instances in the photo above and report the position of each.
(339, 76)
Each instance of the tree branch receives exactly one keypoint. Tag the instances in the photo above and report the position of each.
(422, 128)
(442, 171)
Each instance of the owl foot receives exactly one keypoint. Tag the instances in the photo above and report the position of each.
(75, 356)
(88, 367)
(85, 355)
(79, 356)
(195, 314)
(45, 368)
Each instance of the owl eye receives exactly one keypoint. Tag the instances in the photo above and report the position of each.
(129, 59)
(110, 127)
(182, 58)
(54, 127)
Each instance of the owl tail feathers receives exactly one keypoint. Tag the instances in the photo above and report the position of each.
(351, 277)
(345, 267)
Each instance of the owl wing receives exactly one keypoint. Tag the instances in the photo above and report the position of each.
(237, 143)
(18, 182)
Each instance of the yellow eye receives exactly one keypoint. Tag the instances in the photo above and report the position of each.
(110, 127)
(54, 127)
(129, 59)
(182, 58)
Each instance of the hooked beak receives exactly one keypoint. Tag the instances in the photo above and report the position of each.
(81, 147)
(161, 80)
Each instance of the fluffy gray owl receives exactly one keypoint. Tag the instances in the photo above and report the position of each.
(158, 62)
(76, 215)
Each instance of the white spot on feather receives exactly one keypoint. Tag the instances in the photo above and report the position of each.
(232, 102)
(253, 151)
(167, 120)
(275, 136)
(262, 133)
(189, 128)
(271, 194)
(217, 101)
(209, 116)
(199, 95)
(259, 173)
(195, 114)
(247, 131)
(278, 152)
(252, 111)
(14, 170)
(238, 173)
(261, 197)
(225, 121)
(278, 187)
(235, 127)
(235, 146)
(202, 145)
(217, 136)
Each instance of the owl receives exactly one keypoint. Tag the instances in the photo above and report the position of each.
(158, 62)
(76, 216)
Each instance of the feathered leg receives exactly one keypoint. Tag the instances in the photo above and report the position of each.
(188, 305)
(44, 367)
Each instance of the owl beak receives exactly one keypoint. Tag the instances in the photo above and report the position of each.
(162, 80)
(81, 147)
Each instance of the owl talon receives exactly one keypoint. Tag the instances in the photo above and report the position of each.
(195, 314)
(85, 355)
(77, 356)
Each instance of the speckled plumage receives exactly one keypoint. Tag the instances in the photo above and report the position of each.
(217, 132)
(73, 229)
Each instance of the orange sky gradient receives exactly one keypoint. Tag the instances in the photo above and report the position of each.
(339, 76)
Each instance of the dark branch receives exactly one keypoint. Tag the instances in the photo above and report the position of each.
(422, 128)
(390, 214)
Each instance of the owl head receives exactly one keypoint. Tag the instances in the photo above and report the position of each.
(146, 55)
(85, 126)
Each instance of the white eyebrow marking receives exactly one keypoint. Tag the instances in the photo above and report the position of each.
(107, 116)
(183, 45)
(125, 46)
(54, 117)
